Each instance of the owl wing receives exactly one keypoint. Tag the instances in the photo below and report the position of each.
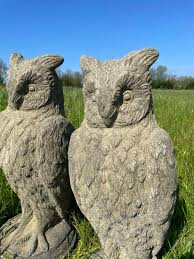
(84, 161)
(6, 126)
(75, 156)
(161, 182)
(78, 160)
(52, 147)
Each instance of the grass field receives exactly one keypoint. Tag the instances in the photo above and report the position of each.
(175, 113)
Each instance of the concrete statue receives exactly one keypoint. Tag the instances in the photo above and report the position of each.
(121, 163)
(34, 137)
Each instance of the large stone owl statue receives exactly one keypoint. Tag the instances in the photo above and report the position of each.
(34, 136)
(122, 164)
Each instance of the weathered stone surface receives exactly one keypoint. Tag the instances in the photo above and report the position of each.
(34, 136)
(122, 165)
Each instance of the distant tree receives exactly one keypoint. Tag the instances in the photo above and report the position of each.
(77, 79)
(161, 79)
(185, 82)
(159, 73)
(66, 78)
(3, 72)
(73, 79)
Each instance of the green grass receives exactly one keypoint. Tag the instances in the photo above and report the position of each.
(9, 203)
(175, 113)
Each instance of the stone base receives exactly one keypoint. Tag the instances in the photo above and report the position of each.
(61, 248)
(101, 255)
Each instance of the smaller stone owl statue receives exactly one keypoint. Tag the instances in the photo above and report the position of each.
(34, 137)
(121, 163)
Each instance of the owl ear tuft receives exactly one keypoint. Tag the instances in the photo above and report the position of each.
(87, 63)
(143, 58)
(15, 58)
(50, 61)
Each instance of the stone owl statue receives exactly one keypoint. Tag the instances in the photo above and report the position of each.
(121, 163)
(34, 137)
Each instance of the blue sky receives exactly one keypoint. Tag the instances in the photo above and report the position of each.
(102, 28)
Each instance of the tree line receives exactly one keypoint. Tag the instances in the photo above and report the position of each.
(3, 72)
(71, 79)
(161, 79)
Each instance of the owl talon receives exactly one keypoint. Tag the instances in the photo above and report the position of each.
(22, 240)
(31, 242)
(44, 245)
(32, 246)
(17, 231)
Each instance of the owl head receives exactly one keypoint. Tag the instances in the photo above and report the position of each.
(33, 83)
(117, 93)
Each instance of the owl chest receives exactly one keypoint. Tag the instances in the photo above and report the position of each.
(112, 159)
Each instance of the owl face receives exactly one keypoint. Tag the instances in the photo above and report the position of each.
(33, 83)
(118, 93)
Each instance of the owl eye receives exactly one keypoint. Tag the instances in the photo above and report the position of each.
(31, 88)
(127, 95)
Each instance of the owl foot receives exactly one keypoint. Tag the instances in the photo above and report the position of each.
(14, 229)
(27, 245)
(36, 241)
(27, 238)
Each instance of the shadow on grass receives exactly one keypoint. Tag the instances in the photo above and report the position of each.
(188, 256)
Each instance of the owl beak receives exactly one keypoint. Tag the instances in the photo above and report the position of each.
(15, 101)
(108, 116)
(15, 97)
